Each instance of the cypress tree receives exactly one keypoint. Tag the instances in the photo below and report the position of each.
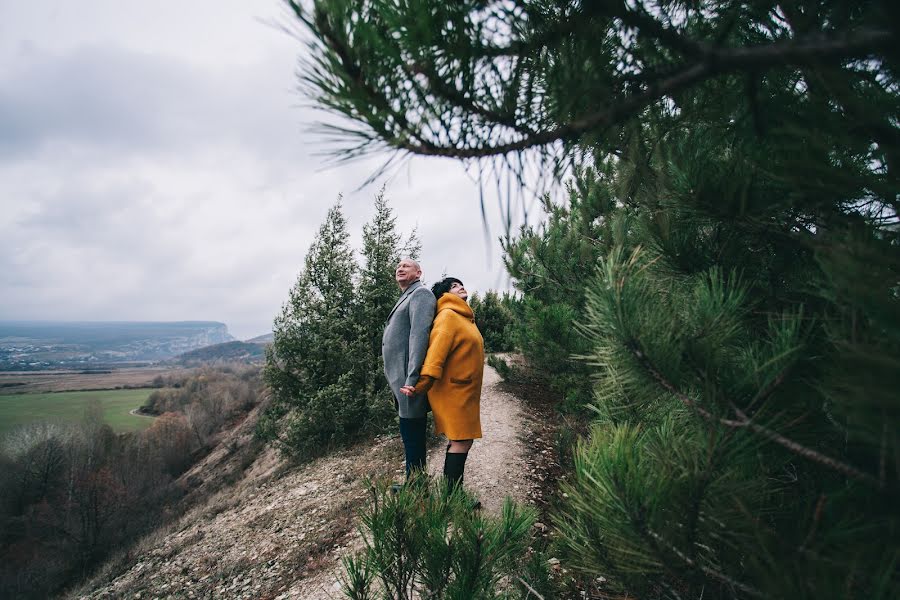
(324, 366)
(382, 249)
(306, 365)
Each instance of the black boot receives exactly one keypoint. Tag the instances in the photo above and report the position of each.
(412, 431)
(454, 466)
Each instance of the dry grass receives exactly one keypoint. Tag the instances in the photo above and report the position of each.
(17, 382)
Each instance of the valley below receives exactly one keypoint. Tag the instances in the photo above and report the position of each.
(42, 345)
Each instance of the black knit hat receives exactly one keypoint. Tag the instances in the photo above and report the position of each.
(443, 286)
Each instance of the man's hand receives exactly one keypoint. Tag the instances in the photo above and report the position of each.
(408, 390)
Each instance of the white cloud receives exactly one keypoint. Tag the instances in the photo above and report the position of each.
(154, 166)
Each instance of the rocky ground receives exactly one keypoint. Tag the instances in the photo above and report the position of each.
(273, 532)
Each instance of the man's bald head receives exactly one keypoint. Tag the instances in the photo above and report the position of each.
(407, 272)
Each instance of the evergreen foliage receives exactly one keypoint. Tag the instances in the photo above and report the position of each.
(550, 264)
(324, 365)
(731, 258)
(382, 249)
(476, 78)
(725, 462)
(427, 542)
(496, 315)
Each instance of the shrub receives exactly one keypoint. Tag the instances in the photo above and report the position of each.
(209, 398)
(495, 316)
(426, 541)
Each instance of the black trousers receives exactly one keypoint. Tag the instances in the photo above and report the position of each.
(412, 431)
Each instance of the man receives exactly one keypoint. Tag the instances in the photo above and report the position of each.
(403, 348)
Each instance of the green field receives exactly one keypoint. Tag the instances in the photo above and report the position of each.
(69, 407)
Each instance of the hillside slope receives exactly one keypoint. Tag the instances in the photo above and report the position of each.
(277, 532)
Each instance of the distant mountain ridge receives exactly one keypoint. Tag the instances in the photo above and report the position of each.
(235, 351)
(34, 345)
(266, 338)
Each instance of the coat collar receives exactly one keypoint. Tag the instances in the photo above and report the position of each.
(415, 284)
(453, 302)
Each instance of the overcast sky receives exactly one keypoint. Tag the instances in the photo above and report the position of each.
(156, 164)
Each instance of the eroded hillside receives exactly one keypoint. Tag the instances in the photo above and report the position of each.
(268, 530)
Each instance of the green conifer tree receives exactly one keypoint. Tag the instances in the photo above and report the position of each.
(382, 249)
(550, 264)
(495, 317)
(324, 366)
(307, 366)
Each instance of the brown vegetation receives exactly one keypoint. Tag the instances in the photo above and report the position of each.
(70, 495)
(207, 401)
(269, 529)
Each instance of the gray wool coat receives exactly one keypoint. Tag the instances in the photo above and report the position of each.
(404, 344)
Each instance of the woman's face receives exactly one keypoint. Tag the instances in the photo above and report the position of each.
(459, 290)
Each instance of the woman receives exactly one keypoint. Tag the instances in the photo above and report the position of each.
(452, 373)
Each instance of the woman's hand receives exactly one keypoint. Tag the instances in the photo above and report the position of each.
(423, 385)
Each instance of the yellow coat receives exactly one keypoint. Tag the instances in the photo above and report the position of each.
(455, 359)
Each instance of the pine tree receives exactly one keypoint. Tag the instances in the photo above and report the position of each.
(495, 317)
(324, 366)
(382, 249)
(739, 313)
(426, 542)
(307, 366)
(726, 463)
(551, 264)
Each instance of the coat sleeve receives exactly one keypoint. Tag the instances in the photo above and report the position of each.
(421, 315)
(439, 348)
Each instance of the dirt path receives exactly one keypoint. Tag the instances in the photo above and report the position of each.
(495, 465)
(282, 536)
(134, 412)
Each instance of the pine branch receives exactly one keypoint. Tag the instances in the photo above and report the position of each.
(638, 18)
(644, 22)
(320, 26)
(809, 50)
(451, 94)
(808, 453)
(767, 391)
(568, 26)
(705, 569)
(817, 517)
(744, 421)
(669, 387)
(530, 589)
